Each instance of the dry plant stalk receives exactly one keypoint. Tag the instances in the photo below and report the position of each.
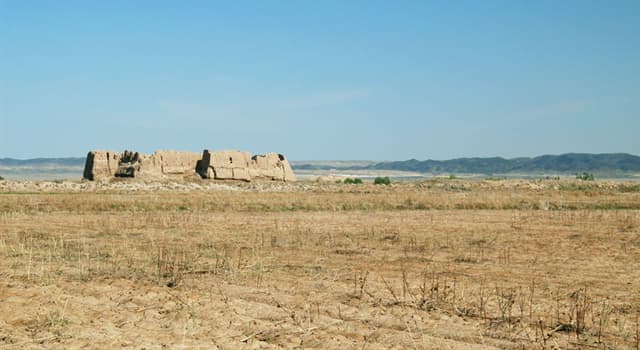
(299, 244)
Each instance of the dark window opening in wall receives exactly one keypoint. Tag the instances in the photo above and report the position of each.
(230, 160)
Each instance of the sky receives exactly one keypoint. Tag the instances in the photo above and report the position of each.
(319, 80)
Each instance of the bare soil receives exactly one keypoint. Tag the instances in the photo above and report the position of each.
(442, 264)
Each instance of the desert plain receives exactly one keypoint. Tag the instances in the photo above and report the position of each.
(429, 264)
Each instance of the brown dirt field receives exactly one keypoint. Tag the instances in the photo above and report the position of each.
(442, 264)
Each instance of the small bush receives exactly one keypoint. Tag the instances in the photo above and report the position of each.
(382, 181)
(350, 181)
(452, 177)
(585, 177)
(1, 178)
(494, 178)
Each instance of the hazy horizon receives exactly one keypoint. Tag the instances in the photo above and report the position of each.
(334, 80)
(355, 160)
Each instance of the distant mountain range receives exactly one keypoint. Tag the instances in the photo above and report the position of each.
(41, 168)
(40, 162)
(564, 163)
(608, 163)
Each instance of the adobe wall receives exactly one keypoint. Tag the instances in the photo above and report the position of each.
(217, 165)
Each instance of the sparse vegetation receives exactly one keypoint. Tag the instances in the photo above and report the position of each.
(410, 266)
(585, 176)
(351, 181)
(382, 181)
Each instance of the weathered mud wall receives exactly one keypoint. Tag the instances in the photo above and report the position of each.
(218, 165)
(225, 165)
(272, 166)
(101, 164)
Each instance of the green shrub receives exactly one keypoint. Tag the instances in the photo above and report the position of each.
(350, 181)
(382, 181)
(452, 177)
(585, 177)
(1, 178)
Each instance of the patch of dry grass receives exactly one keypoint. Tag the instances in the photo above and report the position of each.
(428, 265)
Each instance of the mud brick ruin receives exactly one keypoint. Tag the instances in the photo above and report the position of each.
(215, 165)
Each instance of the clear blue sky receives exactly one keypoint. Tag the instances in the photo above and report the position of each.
(379, 80)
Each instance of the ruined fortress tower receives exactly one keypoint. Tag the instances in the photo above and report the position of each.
(218, 165)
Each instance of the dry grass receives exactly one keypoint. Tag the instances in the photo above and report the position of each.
(429, 265)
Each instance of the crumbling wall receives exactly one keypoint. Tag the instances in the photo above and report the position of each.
(225, 165)
(129, 164)
(157, 165)
(177, 162)
(101, 164)
(272, 166)
(218, 165)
